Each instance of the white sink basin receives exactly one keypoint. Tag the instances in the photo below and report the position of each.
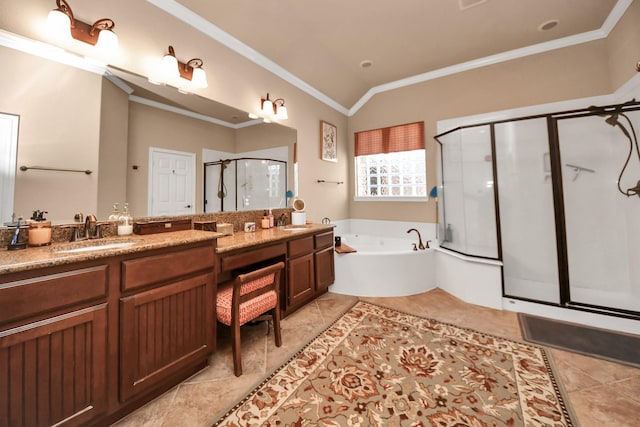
(96, 247)
(301, 228)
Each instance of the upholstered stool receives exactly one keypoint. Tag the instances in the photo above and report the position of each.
(246, 298)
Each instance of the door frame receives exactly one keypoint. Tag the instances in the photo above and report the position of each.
(9, 165)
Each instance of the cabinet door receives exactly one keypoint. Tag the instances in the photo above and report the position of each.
(54, 370)
(325, 272)
(300, 280)
(164, 330)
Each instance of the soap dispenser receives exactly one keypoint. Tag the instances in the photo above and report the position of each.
(115, 215)
(125, 222)
(264, 222)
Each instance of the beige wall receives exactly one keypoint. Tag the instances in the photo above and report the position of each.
(152, 127)
(59, 109)
(114, 126)
(552, 76)
(623, 46)
(589, 69)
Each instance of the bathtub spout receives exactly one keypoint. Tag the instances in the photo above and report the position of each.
(420, 244)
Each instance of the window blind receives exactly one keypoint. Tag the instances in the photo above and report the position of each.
(390, 139)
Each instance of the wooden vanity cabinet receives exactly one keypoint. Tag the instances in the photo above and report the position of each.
(168, 324)
(88, 342)
(309, 265)
(53, 346)
(324, 261)
(310, 269)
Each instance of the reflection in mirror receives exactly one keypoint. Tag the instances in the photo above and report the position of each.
(72, 118)
(245, 184)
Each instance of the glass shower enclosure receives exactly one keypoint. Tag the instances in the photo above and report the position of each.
(245, 184)
(556, 198)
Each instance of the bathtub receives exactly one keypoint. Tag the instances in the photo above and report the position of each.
(383, 266)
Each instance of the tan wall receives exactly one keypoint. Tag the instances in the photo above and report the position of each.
(151, 127)
(552, 76)
(59, 109)
(623, 46)
(114, 126)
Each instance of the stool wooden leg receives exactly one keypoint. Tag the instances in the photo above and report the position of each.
(235, 336)
(276, 326)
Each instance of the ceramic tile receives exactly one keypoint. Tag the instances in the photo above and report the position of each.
(601, 392)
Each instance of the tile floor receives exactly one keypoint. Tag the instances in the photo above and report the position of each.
(601, 393)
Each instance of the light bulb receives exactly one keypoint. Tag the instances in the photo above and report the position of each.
(267, 107)
(59, 25)
(199, 78)
(169, 66)
(107, 41)
(281, 114)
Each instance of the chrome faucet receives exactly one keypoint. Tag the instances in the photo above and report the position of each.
(421, 246)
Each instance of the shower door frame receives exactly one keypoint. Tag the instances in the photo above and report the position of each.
(558, 203)
(560, 218)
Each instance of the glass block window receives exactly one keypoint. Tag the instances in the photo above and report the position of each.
(390, 162)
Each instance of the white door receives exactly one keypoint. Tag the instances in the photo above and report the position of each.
(8, 150)
(172, 177)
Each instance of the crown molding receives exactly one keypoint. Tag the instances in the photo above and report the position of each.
(216, 33)
(206, 27)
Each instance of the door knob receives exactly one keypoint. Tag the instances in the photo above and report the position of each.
(188, 206)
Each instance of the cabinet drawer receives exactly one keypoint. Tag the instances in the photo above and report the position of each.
(42, 294)
(149, 270)
(300, 246)
(324, 240)
(231, 262)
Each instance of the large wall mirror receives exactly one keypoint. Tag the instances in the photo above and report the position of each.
(74, 119)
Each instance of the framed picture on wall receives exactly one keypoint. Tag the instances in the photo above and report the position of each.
(328, 142)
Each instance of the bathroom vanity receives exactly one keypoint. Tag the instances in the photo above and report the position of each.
(89, 336)
(306, 250)
(86, 337)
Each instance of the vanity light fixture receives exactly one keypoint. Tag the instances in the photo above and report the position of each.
(273, 109)
(63, 26)
(185, 76)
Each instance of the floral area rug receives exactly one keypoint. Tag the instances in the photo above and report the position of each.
(376, 366)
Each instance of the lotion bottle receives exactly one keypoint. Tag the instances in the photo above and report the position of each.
(125, 222)
(264, 222)
(271, 219)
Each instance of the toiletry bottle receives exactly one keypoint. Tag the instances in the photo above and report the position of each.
(271, 220)
(125, 222)
(264, 223)
(115, 215)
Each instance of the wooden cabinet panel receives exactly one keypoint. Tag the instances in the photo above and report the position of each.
(54, 370)
(25, 298)
(325, 270)
(300, 280)
(301, 246)
(149, 270)
(324, 240)
(163, 330)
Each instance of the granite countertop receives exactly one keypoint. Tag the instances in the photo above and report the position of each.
(261, 236)
(49, 256)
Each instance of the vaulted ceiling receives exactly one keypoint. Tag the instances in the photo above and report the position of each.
(341, 51)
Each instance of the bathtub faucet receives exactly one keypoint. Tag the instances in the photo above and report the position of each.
(420, 245)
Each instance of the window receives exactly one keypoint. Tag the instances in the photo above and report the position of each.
(390, 163)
